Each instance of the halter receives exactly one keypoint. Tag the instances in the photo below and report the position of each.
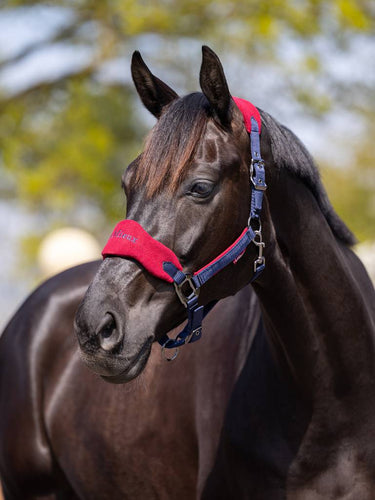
(130, 240)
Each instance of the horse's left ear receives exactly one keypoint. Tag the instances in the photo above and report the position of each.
(154, 93)
(214, 86)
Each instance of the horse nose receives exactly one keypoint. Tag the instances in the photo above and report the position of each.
(109, 333)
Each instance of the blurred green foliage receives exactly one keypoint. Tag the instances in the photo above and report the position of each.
(67, 140)
(352, 189)
(353, 201)
(69, 146)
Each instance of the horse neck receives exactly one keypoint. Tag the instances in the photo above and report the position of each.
(315, 311)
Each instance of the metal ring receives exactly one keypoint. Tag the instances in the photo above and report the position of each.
(254, 219)
(165, 357)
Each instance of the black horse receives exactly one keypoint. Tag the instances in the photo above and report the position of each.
(289, 418)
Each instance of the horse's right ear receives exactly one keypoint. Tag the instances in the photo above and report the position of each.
(214, 86)
(154, 93)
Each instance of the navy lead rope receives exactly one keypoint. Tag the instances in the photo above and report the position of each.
(187, 286)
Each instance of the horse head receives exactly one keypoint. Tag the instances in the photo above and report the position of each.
(190, 191)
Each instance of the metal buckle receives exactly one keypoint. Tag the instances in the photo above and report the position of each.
(258, 184)
(189, 337)
(260, 260)
(197, 332)
(194, 291)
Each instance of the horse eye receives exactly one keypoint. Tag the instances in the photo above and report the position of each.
(201, 189)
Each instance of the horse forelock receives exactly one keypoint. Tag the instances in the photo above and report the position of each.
(172, 143)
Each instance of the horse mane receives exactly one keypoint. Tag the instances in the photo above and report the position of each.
(172, 143)
(290, 153)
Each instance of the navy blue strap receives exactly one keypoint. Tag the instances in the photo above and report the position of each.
(257, 173)
(209, 271)
(255, 140)
(177, 275)
(258, 271)
(196, 314)
(193, 328)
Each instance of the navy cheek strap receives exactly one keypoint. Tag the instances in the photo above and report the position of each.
(187, 286)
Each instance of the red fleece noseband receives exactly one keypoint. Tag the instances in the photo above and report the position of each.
(129, 239)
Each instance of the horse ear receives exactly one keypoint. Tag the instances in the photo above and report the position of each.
(154, 93)
(214, 86)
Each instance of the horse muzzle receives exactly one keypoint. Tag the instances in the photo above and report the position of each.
(113, 333)
(109, 352)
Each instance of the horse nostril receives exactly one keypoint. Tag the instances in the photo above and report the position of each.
(107, 326)
(108, 333)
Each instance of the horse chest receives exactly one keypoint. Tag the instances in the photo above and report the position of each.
(346, 478)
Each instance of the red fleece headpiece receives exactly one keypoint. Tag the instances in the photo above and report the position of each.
(248, 111)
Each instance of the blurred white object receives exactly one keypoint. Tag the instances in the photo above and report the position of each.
(64, 248)
(366, 252)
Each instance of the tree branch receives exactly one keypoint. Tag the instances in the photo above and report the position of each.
(62, 34)
(47, 85)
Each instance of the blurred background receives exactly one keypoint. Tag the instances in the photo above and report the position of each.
(70, 120)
